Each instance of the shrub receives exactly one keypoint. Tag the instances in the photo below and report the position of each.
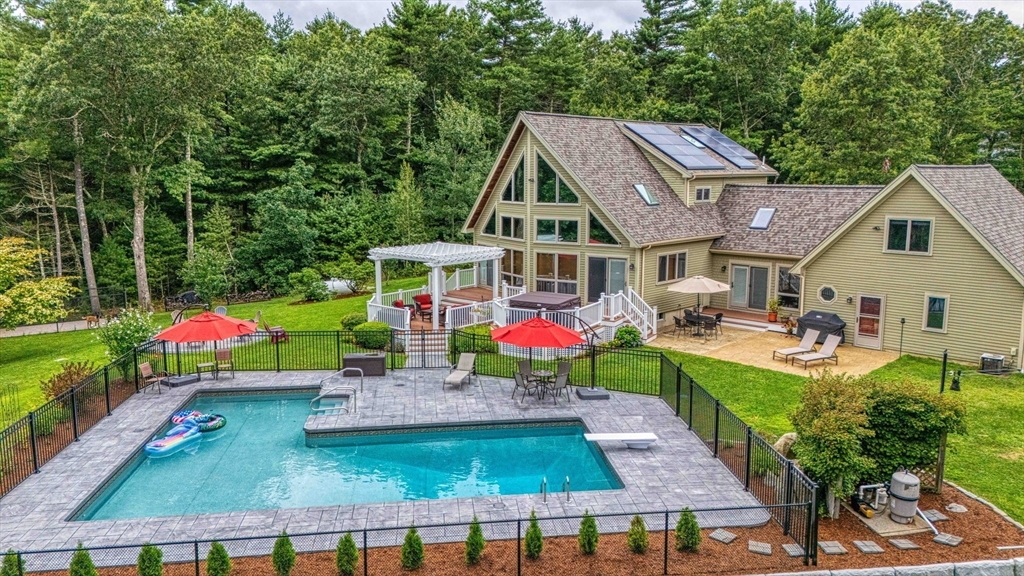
(46, 422)
(151, 561)
(71, 373)
(534, 538)
(636, 537)
(412, 550)
(687, 532)
(81, 563)
(627, 337)
(11, 565)
(283, 555)
(479, 343)
(354, 276)
(131, 328)
(373, 335)
(218, 563)
(309, 285)
(347, 555)
(588, 534)
(474, 542)
(351, 320)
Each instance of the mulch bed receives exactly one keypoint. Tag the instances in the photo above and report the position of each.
(982, 529)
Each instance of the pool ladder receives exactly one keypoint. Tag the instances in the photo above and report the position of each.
(342, 373)
(565, 488)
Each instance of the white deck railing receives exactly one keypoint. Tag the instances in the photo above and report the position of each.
(650, 314)
(396, 318)
(511, 291)
(388, 298)
(461, 278)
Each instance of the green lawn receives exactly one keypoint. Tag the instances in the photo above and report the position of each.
(28, 359)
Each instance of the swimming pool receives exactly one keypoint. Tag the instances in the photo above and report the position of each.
(261, 460)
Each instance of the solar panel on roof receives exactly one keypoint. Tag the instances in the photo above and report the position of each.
(723, 145)
(675, 146)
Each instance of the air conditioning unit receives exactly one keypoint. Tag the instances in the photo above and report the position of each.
(992, 363)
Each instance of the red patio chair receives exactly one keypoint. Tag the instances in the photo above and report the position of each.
(424, 305)
(277, 333)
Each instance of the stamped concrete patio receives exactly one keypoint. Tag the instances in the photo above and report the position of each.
(678, 471)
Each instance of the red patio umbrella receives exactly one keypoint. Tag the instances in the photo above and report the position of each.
(206, 327)
(537, 333)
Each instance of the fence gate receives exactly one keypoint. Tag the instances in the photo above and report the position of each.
(425, 348)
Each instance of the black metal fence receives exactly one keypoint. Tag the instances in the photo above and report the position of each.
(504, 553)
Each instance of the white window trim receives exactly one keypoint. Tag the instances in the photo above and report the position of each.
(945, 314)
(511, 175)
(696, 194)
(497, 224)
(512, 238)
(556, 279)
(834, 292)
(558, 187)
(556, 242)
(590, 214)
(657, 265)
(798, 295)
(910, 220)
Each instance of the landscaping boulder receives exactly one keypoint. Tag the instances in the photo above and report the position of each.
(784, 445)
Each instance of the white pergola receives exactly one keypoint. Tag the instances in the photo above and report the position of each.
(436, 255)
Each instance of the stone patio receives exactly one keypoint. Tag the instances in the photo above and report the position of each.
(678, 471)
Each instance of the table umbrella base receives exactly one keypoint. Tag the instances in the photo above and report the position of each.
(597, 393)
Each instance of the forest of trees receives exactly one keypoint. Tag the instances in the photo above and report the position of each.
(145, 144)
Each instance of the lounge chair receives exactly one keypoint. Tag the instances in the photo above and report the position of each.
(525, 384)
(461, 372)
(806, 346)
(149, 377)
(826, 353)
(222, 357)
(640, 440)
(277, 333)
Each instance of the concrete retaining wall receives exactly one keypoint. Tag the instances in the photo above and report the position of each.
(1013, 567)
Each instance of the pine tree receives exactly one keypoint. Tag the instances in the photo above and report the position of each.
(636, 537)
(412, 550)
(474, 542)
(283, 555)
(687, 532)
(588, 534)
(81, 563)
(151, 561)
(10, 565)
(534, 538)
(347, 555)
(218, 563)
(407, 208)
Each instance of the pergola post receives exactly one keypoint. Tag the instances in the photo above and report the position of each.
(435, 298)
(377, 277)
(495, 264)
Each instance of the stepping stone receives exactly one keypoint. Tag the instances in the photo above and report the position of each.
(948, 539)
(934, 515)
(723, 536)
(762, 548)
(904, 544)
(956, 508)
(794, 550)
(868, 547)
(831, 547)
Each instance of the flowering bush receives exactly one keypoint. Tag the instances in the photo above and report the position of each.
(131, 328)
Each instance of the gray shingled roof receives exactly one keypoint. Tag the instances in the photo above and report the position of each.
(609, 164)
(804, 215)
(987, 201)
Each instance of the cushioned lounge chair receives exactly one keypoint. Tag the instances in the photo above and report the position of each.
(461, 372)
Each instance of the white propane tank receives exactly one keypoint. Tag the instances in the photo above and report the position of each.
(904, 493)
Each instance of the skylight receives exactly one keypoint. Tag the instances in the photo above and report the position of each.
(762, 219)
(646, 194)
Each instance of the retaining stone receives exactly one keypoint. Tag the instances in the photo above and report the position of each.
(984, 568)
(926, 570)
(887, 571)
(812, 573)
(1018, 565)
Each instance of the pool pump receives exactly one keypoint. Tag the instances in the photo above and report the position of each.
(870, 499)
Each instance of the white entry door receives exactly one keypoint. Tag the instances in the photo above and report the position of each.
(870, 311)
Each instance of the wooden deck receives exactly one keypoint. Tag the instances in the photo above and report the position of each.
(455, 298)
(748, 315)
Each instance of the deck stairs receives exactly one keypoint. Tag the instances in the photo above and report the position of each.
(425, 349)
(744, 324)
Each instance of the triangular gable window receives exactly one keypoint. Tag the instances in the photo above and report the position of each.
(515, 190)
(551, 189)
(598, 234)
(491, 228)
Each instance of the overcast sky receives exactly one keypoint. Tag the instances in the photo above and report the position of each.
(606, 15)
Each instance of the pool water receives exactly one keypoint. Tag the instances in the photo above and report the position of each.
(260, 460)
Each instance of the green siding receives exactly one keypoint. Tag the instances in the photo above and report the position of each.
(698, 262)
(722, 299)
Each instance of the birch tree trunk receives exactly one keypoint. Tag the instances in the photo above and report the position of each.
(189, 224)
(83, 225)
(139, 238)
(49, 194)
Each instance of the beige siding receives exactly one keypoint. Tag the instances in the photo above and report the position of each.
(718, 260)
(698, 262)
(985, 302)
(530, 211)
(718, 183)
(671, 175)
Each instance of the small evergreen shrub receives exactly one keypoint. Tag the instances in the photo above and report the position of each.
(218, 563)
(283, 555)
(81, 563)
(351, 320)
(151, 561)
(373, 335)
(10, 566)
(687, 532)
(588, 534)
(627, 337)
(412, 550)
(534, 538)
(636, 537)
(347, 555)
(474, 542)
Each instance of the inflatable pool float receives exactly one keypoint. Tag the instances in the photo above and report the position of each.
(178, 438)
(182, 415)
(209, 422)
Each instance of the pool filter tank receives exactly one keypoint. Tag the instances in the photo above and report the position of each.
(904, 494)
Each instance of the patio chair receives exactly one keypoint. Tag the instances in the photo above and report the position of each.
(277, 333)
(691, 319)
(461, 372)
(424, 305)
(149, 377)
(256, 319)
(528, 386)
(806, 345)
(223, 361)
(560, 384)
(680, 326)
(718, 322)
(526, 369)
(710, 327)
(825, 354)
(221, 310)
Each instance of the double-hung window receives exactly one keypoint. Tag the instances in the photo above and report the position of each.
(512, 227)
(908, 235)
(515, 190)
(671, 266)
(557, 273)
(703, 194)
(551, 189)
(551, 230)
(789, 289)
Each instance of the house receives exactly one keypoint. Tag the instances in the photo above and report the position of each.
(592, 206)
